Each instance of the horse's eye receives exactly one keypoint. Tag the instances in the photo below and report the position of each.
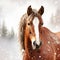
(41, 23)
(30, 32)
(28, 23)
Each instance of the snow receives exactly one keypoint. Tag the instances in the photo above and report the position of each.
(39, 56)
(55, 53)
(49, 50)
(49, 42)
(10, 49)
(56, 39)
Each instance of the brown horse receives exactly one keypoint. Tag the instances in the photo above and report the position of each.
(38, 42)
(58, 34)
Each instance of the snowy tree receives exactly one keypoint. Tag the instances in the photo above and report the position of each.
(12, 32)
(4, 29)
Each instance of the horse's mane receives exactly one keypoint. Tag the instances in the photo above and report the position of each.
(21, 30)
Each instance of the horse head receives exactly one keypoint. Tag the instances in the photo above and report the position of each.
(32, 27)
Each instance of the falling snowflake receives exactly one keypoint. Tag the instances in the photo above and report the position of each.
(48, 42)
(49, 50)
(39, 56)
(55, 53)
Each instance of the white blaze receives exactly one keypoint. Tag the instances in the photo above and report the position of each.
(36, 23)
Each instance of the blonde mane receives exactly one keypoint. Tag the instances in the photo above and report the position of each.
(21, 30)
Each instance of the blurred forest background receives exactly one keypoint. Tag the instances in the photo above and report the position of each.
(10, 13)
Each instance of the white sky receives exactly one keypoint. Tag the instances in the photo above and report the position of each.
(12, 10)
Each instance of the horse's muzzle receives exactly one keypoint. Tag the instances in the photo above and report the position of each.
(37, 46)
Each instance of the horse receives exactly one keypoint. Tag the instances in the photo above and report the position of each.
(58, 34)
(38, 42)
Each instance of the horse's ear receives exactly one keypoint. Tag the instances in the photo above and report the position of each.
(29, 10)
(41, 10)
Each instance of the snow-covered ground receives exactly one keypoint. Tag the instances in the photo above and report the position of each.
(9, 49)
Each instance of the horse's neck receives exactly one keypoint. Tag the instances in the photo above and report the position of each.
(47, 36)
(58, 34)
(45, 31)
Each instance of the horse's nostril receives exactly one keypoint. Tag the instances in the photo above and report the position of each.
(34, 42)
(41, 43)
(37, 46)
